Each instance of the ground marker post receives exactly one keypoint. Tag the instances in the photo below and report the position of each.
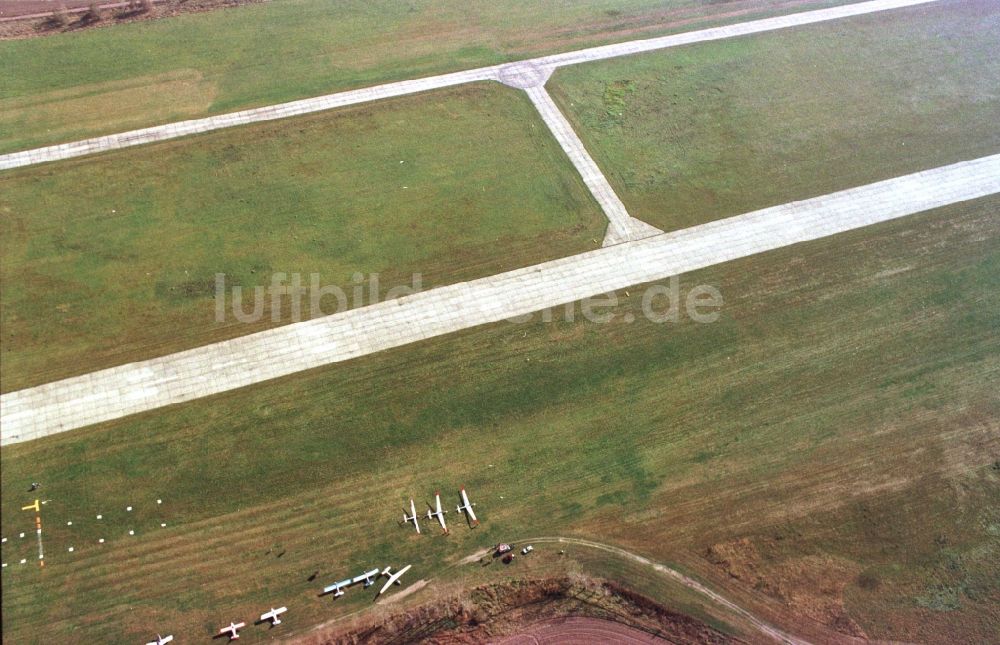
(38, 529)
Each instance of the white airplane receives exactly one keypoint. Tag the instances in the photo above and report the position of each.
(393, 577)
(431, 514)
(368, 577)
(467, 507)
(232, 630)
(161, 640)
(273, 615)
(412, 517)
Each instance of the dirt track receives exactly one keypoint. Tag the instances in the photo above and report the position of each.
(690, 583)
(580, 630)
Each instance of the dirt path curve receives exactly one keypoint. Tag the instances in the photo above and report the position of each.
(684, 580)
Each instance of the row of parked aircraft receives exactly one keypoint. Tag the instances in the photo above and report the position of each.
(436, 511)
(368, 577)
(233, 629)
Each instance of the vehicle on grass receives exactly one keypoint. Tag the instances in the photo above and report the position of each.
(526, 550)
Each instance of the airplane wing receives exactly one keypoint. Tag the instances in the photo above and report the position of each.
(393, 578)
(337, 586)
(437, 501)
(365, 577)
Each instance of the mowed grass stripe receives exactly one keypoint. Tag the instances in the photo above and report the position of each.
(707, 131)
(113, 259)
(839, 371)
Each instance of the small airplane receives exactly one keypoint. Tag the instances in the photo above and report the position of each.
(161, 640)
(232, 630)
(273, 615)
(368, 577)
(412, 517)
(393, 577)
(467, 507)
(431, 514)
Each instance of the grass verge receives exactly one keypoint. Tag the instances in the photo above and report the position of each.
(698, 133)
(84, 84)
(845, 375)
(113, 258)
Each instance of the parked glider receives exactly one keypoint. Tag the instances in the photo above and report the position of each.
(412, 517)
(161, 640)
(393, 577)
(439, 513)
(467, 508)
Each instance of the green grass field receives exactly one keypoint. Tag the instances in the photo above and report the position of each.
(76, 85)
(840, 418)
(698, 133)
(113, 258)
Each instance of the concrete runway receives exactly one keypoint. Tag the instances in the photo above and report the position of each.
(136, 387)
(502, 73)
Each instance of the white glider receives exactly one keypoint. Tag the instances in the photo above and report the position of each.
(161, 640)
(412, 517)
(467, 507)
(439, 513)
(393, 577)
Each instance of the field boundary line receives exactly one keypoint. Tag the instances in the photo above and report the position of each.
(129, 389)
(377, 92)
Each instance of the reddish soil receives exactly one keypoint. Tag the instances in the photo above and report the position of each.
(29, 18)
(580, 630)
(553, 610)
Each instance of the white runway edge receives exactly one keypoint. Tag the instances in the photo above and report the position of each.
(496, 72)
(192, 374)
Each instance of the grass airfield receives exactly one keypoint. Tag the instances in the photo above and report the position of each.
(693, 134)
(89, 83)
(113, 258)
(860, 455)
(824, 455)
